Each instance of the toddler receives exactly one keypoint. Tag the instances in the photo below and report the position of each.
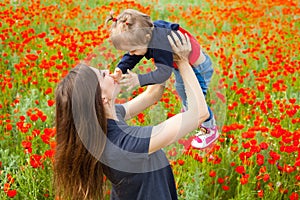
(134, 32)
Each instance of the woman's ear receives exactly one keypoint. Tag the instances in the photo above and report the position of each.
(147, 38)
(104, 100)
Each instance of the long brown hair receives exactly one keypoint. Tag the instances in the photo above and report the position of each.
(78, 173)
(131, 26)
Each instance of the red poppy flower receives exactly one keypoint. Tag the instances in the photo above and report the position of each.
(220, 180)
(244, 179)
(240, 169)
(212, 173)
(35, 161)
(294, 196)
(225, 187)
(34, 117)
(26, 144)
(180, 162)
(48, 91)
(51, 102)
(260, 193)
(141, 117)
(11, 193)
(266, 177)
(170, 114)
(10, 179)
(8, 127)
(259, 159)
(49, 153)
(263, 145)
(32, 57)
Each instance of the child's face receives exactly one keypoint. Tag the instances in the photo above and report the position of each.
(139, 51)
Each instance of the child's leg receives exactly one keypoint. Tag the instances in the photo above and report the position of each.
(204, 73)
(180, 88)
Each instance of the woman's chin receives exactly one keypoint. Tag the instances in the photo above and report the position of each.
(117, 90)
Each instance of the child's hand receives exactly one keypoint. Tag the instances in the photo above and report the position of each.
(130, 80)
(117, 75)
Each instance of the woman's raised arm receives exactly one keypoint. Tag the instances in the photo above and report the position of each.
(181, 124)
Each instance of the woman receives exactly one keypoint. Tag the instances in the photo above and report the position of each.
(94, 140)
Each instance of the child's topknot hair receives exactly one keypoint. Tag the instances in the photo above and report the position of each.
(131, 26)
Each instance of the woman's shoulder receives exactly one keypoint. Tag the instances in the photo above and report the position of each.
(120, 110)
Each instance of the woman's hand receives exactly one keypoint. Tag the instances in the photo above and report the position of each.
(130, 80)
(182, 49)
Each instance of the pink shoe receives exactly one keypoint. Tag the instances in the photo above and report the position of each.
(205, 137)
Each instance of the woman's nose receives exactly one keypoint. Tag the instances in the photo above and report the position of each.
(106, 72)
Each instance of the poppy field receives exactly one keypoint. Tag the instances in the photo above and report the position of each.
(255, 92)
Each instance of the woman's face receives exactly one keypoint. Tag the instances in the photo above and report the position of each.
(109, 87)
